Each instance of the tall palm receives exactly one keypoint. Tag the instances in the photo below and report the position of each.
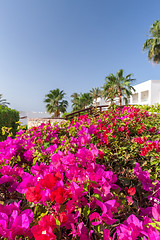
(74, 97)
(152, 45)
(75, 101)
(80, 101)
(86, 100)
(3, 102)
(96, 93)
(109, 91)
(120, 85)
(55, 102)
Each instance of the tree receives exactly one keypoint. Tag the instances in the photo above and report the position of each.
(96, 93)
(76, 104)
(81, 101)
(55, 102)
(86, 100)
(109, 91)
(3, 102)
(74, 97)
(152, 45)
(118, 86)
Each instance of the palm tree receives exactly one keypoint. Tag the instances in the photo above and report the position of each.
(3, 102)
(75, 102)
(55, 102)
(74, 97)
(152, 45)
(109, 92)
(119, 86)
(76, 105)
(80, 101)
(86, 100)
(96, 93)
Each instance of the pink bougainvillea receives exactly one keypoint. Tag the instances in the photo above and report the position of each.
(96, 177)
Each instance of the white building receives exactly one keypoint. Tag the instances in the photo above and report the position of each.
(147, 92)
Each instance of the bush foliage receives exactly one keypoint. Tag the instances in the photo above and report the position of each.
(8, 118)
(155, 108)
(95, 177)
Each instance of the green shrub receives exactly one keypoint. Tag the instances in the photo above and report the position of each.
(9, 119)
(155, 108)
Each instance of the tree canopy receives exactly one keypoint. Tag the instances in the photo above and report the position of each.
(95, 93)
(118, 86)
(81, 101)
(152, 44)
(3, 102)
(55, 102)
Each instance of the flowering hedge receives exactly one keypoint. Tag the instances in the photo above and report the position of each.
(92, 178)
(9, 119)
(155, 108)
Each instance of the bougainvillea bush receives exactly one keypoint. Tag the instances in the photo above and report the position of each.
(155, 108)
(94, 177)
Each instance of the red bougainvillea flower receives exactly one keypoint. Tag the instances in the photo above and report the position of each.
(144, 151)
(41, 234)
(60, 195)
(49, 181)
(153, 129)
(140, 131)
(63, 217)
(58, 175)
(131, 191)
(44, 229)
(48, 221)
(101, 154)
(33, 194)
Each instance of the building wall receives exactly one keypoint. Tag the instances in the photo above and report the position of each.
(143, 93)
(147, 92)
(101, 101)
(155, 91)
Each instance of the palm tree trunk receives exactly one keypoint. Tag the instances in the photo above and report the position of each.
(120, 97)
(112, 100)
(96, 102)
(57, 113)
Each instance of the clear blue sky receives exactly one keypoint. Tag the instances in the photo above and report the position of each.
(71, 45)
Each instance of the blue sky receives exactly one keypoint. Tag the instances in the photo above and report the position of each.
(71, 45)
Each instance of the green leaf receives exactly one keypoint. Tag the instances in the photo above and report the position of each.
(85, 186)
(97, 196)
(58, 223)
(154, 162)
(35, 160)
(95, 182)
(86, 211)
(39, 211)
(46, 145)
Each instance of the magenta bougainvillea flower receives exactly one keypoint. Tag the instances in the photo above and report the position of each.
(90, 178)
(14, 222)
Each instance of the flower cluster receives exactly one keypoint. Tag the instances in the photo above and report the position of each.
(14, 222)
(91, 178)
